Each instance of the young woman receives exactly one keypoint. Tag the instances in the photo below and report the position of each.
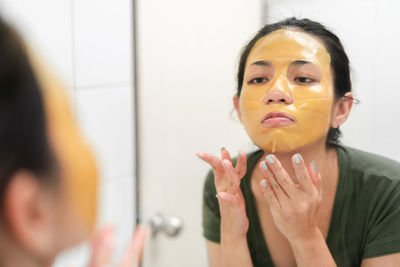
(302, 199)
(48, 176)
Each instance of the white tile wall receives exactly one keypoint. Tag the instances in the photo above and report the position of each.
(47, 26)
(105, 115)
(116, 204)
(103, 41)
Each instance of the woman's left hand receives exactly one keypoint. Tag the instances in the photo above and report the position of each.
(293, 206)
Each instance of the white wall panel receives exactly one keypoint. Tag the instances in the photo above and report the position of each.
(116, 208)
(105, 115)
(47, 26)
(103, 42)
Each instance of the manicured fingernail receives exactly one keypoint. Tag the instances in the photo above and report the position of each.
(270, 159)
(264, 183)
(223, 148)
(223, 164)
(216, 195)
(297, 158)
(264, 165)
(314, 166)
(239, 154)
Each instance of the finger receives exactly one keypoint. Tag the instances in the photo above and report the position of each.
(225, 154)
(134, 252)
(241, 165)
(315, 177)
(290, 189)
(281, 176)
(303, 175)
(280, 193)
(269, 194)
(233, 180)
(312, 172)
(102, 246)
(214, 161)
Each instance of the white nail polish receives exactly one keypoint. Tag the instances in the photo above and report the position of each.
(264, 183)
(297, 158)
(315, 166)
(264, 165)
(270, 159)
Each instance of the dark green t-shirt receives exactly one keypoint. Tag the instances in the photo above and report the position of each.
(365, 218)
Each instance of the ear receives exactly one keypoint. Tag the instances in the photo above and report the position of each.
(237, 106)
(341, 110)
(28, 214)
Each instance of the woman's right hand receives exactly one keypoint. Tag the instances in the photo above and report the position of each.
(234, 221)
(102, 246)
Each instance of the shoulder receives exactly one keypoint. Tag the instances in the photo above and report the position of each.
(365, 165)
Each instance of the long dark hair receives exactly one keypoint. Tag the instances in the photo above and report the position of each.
(24, 142)
(339, 59)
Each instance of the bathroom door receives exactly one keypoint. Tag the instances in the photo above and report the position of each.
(186, 59)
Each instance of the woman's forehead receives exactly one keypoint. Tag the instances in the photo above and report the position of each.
(289, 45)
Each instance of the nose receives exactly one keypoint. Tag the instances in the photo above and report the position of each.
(279, 94)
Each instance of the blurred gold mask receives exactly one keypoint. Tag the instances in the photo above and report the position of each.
(77, 164)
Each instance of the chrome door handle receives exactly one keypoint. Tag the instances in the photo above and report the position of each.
(170, 226)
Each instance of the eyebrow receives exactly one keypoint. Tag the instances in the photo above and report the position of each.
(300, 62)
(261, 63)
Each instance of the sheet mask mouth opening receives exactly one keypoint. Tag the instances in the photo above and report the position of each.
(277, 119)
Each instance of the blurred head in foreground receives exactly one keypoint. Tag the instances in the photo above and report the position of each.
(48, 177)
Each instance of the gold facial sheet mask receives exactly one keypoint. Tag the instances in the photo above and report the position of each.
(77, 164)
(289, 65)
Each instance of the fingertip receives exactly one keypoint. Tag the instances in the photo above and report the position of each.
(263, 185)
(263, 165)
(226, 163)
(200, 155)
(297, 159)
(314, 166)
(313, 174)
(270, 159)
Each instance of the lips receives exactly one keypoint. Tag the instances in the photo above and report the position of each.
(277, 119)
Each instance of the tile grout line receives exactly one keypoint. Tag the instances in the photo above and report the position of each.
(104, 85)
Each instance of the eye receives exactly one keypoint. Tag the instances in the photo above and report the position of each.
(258, 81)
(305, 80)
